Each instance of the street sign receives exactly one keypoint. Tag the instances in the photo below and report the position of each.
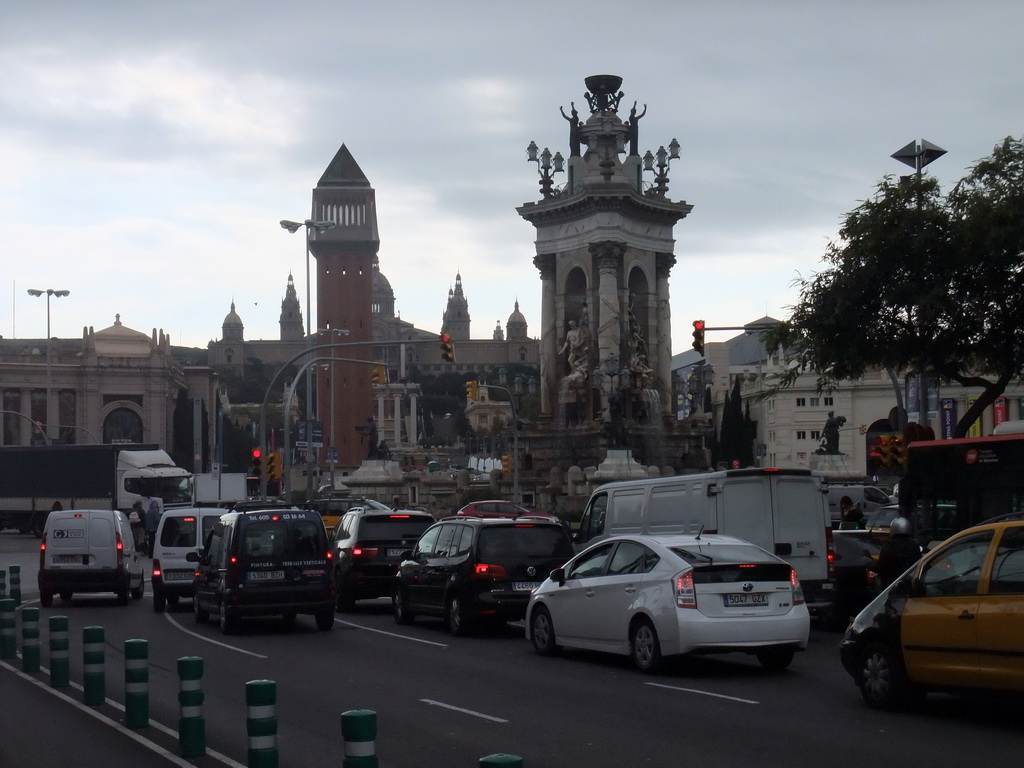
(315, 428)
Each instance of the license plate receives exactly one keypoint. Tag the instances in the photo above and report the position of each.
(524, 586)
(395, 552)
(745, 599)
(178, 575)
(67, 559)
(265, 575)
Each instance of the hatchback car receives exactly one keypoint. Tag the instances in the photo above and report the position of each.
(649, 597)
(367, 544)
(468, 570)
(953, 621)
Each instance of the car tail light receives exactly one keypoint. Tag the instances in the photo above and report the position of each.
(364, 553)
(42, 551)
(870, 577)
(798, 591)
(120, 551)
(488, 571)
(686, 597)
(830, 553)
(156, 568)
(231, 576)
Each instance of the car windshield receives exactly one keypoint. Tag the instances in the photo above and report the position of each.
(881, 518)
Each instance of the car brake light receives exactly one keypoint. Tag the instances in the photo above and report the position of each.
(488, 571)
(364, 552)
(42, 551)
(686, 597)
(120, 550)
(399, 517)
(830, 553)
(156, 568)
(798, 591)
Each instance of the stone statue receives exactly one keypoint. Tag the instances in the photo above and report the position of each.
(575, 347)
(634, 129)
(574, 129)
(370, 430)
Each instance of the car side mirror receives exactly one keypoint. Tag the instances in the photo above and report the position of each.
(558, 575)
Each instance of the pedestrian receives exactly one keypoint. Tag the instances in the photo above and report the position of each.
(137, 518)
(851, 518)
(153, 514)
(897, 554)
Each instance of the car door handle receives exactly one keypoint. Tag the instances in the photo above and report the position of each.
(589, 593)
(965, 615)
(630, 590)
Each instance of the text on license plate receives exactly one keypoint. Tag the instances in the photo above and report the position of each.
(67, 559)
(178, 575)
(395, 552)
(524, 586)
(744, 599)
(265, 575)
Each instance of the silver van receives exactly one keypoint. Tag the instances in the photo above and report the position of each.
(89, 550)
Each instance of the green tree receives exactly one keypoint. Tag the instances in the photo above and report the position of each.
(919, 282)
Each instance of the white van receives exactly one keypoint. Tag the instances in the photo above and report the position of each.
(89, 550)
(784, 511)
(867, 497)
(181, 530)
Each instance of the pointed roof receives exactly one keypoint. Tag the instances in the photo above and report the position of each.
(343, 171)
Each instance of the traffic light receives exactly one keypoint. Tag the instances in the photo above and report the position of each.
(506, 463)
(885, 450)
(257, 463)
(447, 348)
(698, 336)
(472, 391)
(273, 466)
(899, 451)
(380, 373)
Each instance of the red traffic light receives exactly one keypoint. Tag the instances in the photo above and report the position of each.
(256, 453)
(698, 325)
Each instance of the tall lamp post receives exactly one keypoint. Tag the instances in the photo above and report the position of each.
(312, 229)
(50, 420)
(333, 450)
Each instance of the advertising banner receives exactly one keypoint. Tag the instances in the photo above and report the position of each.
(999, 411)
(975, 430)
(948, 418)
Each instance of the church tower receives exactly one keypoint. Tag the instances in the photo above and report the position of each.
(345, 257)
(456, 314)
(292, 328)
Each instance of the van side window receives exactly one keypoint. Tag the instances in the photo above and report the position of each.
(592, 523)
(215, 545)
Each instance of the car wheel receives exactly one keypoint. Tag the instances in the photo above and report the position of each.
(139, 591)
(228, 623)
(457, 619)
(400, 607)
(65, 595)
(883, 680)
(46, 599)
(325, 619)
(775, 659)
(201, 614)
(542, 632)
(345, 603)
(159, 601)
(644, 647)
(173, 601)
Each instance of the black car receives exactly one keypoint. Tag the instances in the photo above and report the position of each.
(269, 562)
(468, 570)
(855, 555)
(367, 545)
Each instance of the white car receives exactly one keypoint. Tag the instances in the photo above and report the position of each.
(654, 596)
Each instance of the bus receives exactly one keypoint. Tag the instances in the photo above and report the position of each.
(950, 485)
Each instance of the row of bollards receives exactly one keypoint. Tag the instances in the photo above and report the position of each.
(358, 726)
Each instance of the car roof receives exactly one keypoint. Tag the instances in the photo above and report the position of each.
(492, 521)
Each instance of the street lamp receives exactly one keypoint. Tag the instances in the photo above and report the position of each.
(49, 375)
(661, 170)
(317, 227)
(547, 167)
(332, 452)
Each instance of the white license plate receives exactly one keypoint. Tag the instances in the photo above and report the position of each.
(395, 552)
(524, 586)
(744, 599)
(178, 575)
(265, 575)
(67, 559)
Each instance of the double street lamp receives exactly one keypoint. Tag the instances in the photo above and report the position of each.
(58, 293)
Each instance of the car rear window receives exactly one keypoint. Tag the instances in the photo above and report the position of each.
(179, 532)
(519, 542)
(284, 540)
(394, 526)
(727, 563)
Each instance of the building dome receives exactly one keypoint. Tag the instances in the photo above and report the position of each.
(231, 328)
(118, 340)
(383, 297)
(516, 326)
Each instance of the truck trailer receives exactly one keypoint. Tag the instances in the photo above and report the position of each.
(33, 479)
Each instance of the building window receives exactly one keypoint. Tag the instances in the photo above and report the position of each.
(828, 401)
(814, 402)
(801, 402)
(815, 434)
(801, 434)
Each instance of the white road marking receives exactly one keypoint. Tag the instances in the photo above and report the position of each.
(392, 634)
(481, 715)
(211, 641)
(703, 693)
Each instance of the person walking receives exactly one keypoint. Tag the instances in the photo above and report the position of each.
(897, 554)
(153, 515)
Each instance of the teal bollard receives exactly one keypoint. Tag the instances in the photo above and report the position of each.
(3, 583)
(30, 650)
(8, 630)
(261, 723)
(60, 660)
(191, 724)
(136, 683)
(359, 730)
(94, 673)
(16, 584)
(499, 759)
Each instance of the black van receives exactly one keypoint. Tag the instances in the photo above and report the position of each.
(271, 562)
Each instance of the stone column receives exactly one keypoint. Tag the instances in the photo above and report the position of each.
(397, 405)
(26, 428)
(662, 362)
(608, 255)
(413, 421)
(545, 264)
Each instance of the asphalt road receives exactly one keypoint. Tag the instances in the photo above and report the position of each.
(446, 702)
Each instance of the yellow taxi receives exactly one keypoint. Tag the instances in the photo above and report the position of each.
(955, 620)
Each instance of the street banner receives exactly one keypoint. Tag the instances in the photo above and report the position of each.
(975, 430)
(948, 418)
(999, 411)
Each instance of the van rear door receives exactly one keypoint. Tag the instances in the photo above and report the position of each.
(67, 541)
(799, 522)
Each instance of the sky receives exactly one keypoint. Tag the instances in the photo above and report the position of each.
(148, 150)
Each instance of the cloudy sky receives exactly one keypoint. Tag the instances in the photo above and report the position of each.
(148, 150)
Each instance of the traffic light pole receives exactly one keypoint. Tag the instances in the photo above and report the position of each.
(516, 495)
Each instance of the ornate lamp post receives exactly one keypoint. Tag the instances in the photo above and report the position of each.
(50, 420)
(661, 171)
(547, 166)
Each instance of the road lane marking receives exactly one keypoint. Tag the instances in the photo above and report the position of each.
(392, 634)
(481, 715)
(211, 641)
(134, 735)
(703, 693)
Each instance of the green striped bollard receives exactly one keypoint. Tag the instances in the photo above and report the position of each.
(30, 650)
(16, 584)
(60, 660)
(94, 673)
(261, 723)
(191, 724)
(136, 683)
(359, 730)
(502, 760)
(8, 630)
(3, 583)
